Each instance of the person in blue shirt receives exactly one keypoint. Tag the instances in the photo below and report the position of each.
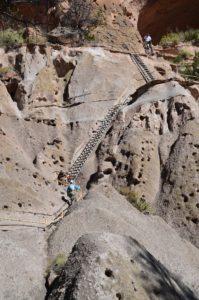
(71, 190)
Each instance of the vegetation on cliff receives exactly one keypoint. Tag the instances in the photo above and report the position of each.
(174, 38)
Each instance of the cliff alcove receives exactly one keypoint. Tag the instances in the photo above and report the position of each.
(159, 17)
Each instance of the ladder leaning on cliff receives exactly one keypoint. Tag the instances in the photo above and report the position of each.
(106, 122)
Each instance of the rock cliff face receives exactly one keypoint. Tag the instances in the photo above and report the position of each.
(52, 100)
(158, 155)
(50, 107)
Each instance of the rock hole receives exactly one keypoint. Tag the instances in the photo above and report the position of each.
(161, 131)
(130, 178)
(20, 204)
(156, 104)
(109, 273)
(194, 153)
(157, 111)
(8, 158)
(71, 125)
(185, 198)
(125, 153)
(111, 159)
(197, 205)
(195, 220)
(61, 158)
(161, 71)
(119, 166)
(166, 202)
(5, 206)
(94, 179)
(119, 296)
(191, 194)
(108, 171)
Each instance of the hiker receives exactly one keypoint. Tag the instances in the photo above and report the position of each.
(71, 190)
(148, 42)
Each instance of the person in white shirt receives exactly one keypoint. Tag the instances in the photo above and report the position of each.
(148, 42)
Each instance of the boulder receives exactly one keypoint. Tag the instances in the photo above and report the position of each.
(64, 35)
(105, 210)
(108, 266)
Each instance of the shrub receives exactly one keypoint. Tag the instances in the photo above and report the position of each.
(60, 260)
(182, 55)
(174, 38)
(134, 198)
(4, 70)
(57, 263)
(10, 37)
(39, 40)
(89, 36)
(170, 39)
(191, 70)
(191, 35)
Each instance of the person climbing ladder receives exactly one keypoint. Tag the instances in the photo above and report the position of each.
(71, 190)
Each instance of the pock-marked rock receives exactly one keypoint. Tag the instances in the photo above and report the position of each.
(107, 266)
